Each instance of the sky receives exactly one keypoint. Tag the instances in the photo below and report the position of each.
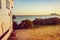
(36, 7)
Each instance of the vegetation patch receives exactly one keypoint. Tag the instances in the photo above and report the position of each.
(38, 22)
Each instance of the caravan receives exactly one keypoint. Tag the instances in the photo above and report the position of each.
(5, 18)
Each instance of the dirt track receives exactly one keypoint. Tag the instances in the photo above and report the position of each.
(47, 33)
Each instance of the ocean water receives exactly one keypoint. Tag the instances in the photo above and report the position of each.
(19, 18)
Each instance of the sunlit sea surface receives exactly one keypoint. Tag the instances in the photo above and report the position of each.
(19, 18)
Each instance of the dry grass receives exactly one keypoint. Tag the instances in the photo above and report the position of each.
(44, 33)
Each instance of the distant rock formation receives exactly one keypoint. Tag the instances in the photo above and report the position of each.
(53, 14)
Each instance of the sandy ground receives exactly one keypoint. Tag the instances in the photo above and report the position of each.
(45, 33)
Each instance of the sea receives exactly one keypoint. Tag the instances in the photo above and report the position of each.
(19, 18)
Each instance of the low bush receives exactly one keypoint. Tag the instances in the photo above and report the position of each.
(47, 21)
(25, 24)
(51, 21)
(15, 26)
(38, 22)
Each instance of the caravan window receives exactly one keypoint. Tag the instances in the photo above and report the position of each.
(7, 4)
(0, 3)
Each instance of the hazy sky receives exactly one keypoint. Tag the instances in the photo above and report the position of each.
(36, 7)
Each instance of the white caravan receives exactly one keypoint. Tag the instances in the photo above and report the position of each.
(5, 18)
